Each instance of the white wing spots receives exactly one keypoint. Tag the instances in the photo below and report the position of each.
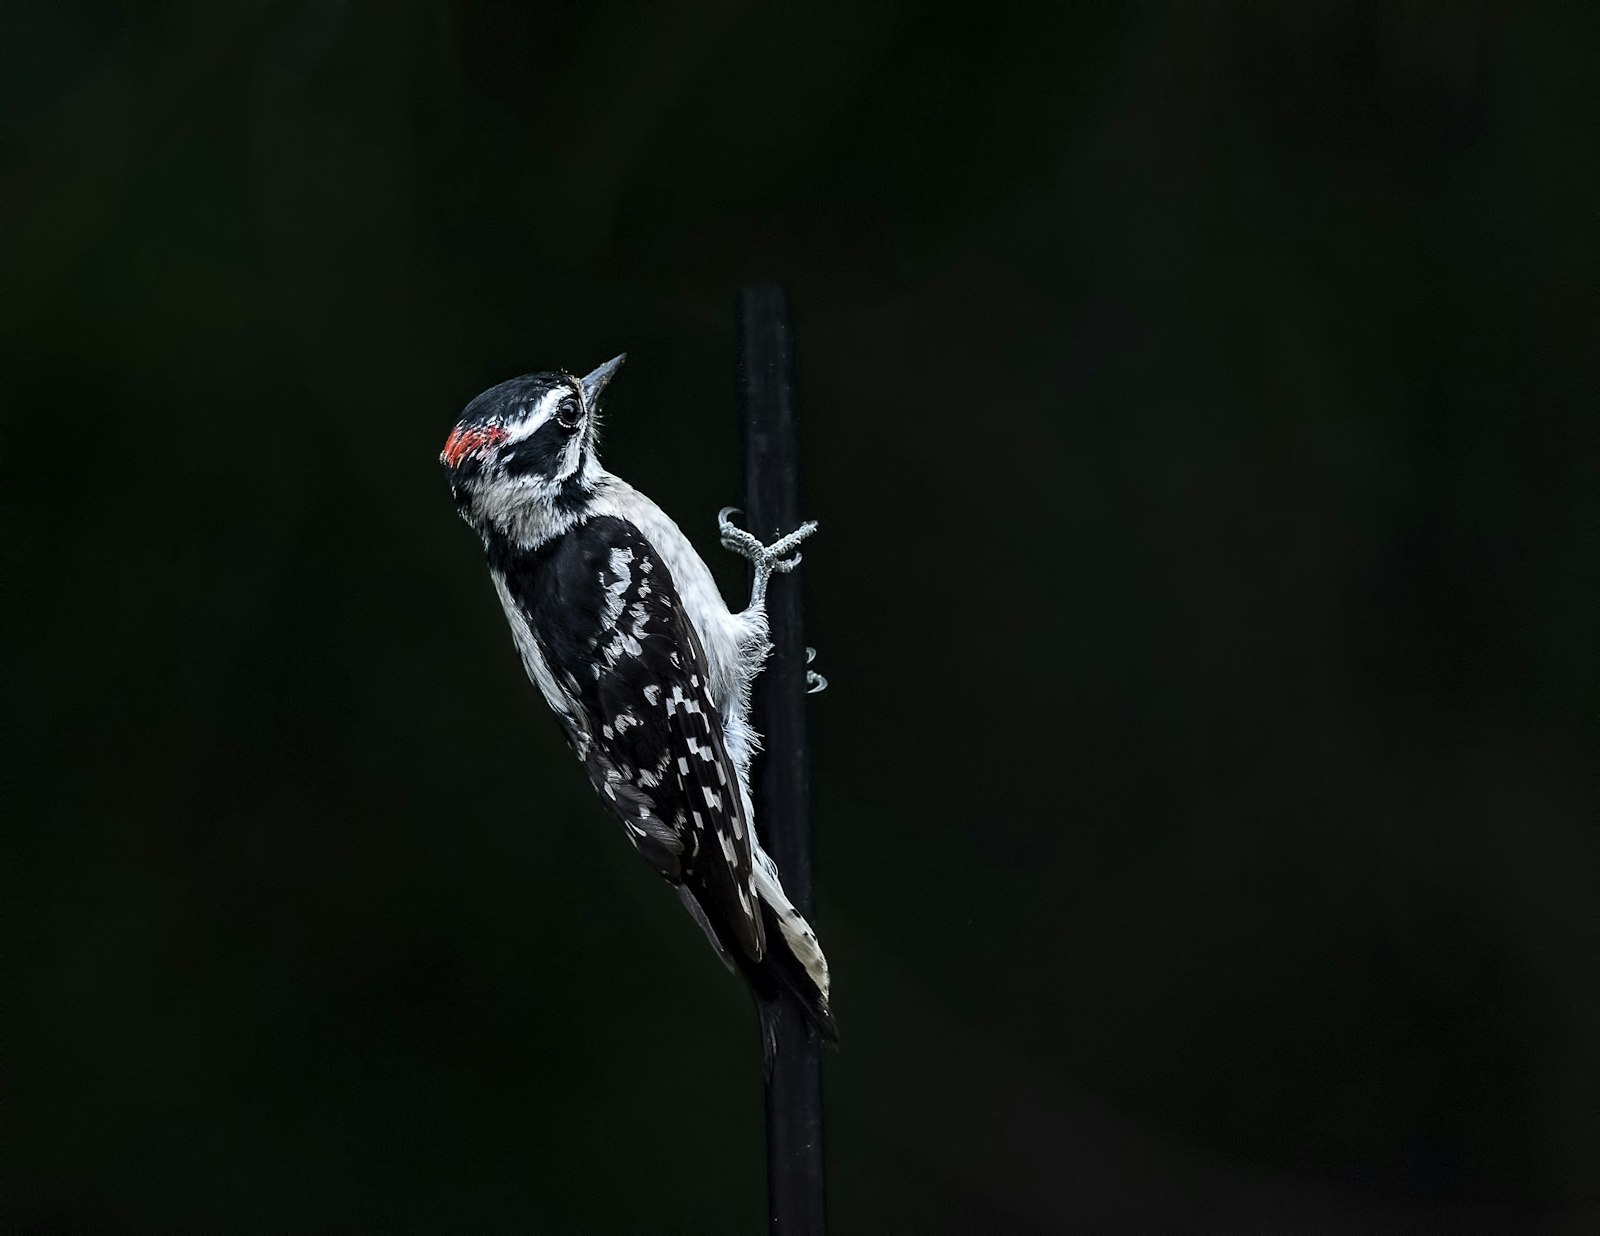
(683, 767)
(685, 702)
(619, 569)
(651, 778)
(652, 695)
(728, 852)
(618, 639)
(677, 699)
(713, 799)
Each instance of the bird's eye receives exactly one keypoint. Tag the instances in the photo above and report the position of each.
(568, 413)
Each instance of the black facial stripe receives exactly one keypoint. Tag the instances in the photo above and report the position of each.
(538, 454)
(573, 494)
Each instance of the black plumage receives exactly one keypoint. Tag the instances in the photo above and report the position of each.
(538, 453)
(612, 630)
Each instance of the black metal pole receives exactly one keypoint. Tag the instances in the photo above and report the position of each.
(795, 1194)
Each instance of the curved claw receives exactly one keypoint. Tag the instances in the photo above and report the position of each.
(734, 537)
(816, 684)
(811, 654)
(784, 565)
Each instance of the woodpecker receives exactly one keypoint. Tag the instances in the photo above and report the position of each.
(621, 626)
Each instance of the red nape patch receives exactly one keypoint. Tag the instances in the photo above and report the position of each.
(462, 442)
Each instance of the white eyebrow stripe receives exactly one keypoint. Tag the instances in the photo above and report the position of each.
(541, 414)
(547, 403)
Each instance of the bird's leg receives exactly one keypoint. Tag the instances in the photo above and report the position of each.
(767, 558)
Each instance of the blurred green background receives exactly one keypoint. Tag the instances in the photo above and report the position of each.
(1199, 407)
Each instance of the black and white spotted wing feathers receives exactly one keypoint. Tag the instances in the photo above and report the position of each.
(617, 643)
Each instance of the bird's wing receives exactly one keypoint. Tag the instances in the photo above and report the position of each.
(613, 633)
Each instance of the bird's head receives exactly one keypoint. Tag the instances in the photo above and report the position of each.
(524, 450)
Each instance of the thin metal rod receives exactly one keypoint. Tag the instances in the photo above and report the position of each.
(795, 1184)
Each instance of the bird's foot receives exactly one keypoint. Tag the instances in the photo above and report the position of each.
(766, 558)
(748, 546)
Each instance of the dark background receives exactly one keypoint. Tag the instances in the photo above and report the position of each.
(1199, 407)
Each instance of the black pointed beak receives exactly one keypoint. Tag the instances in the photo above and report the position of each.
(595, 382)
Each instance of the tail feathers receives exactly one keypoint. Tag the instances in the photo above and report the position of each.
(779, 971)
(782, 978)
(797, 933)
